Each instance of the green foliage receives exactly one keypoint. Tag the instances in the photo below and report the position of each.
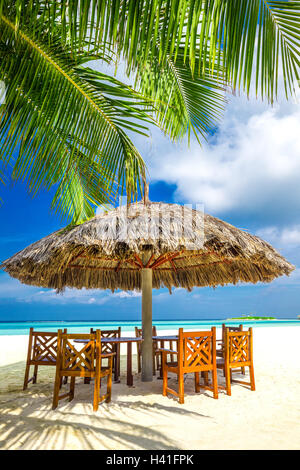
(250, 317)
(67, 128)
(69, 124)
(191, 104)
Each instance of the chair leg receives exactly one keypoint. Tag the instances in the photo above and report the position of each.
(72, 388)
(35, 372)
(252, 381)
(117, 363)
(215, 382)
(139, 362)
(206, 377)
(109, 384)
(171, 347)
(228, 381)
(165, 379)
(243, 370)
(197, 379)
(96, 392)
(158, 361)
(181, 388)
(153, 362)
(109, 381)
(160, 367)
(26, 377)
(56, 391)
(119, 359)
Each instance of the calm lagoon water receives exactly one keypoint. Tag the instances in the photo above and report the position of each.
(22, 328)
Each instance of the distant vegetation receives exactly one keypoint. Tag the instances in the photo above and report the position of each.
(250, 317)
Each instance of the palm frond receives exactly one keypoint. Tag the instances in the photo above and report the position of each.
(255, 38)
(77, 190)
(51, 115)
(251, 35)
(183, 103)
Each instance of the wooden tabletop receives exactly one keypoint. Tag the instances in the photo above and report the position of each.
(122, 339)
(166, 338)
(131, 339)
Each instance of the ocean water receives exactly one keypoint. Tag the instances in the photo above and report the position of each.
(22, 328)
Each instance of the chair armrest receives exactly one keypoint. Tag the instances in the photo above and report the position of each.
(169, 351)
(108, 355)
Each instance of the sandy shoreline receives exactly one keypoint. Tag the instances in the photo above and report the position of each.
(141, 418)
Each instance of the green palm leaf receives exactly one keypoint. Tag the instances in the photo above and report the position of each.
(183, 103)
(254, 36)
(51, 116)
(68, 124)
(251, 35)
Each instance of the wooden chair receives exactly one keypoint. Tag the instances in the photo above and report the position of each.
(220, 351)
(42, 351)
(107, 348)
(158, 346)
(238, 353)
(138, 334)
(196, 353)
(82, 362)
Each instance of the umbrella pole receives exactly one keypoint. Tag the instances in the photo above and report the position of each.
(147, 351)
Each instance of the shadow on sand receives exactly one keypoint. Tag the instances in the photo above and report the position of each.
(28, 422)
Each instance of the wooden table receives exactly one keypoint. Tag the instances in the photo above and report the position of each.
(116, 341)
(166, 338)
(162, 340)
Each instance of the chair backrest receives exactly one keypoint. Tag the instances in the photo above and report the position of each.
(44, 346)
(82, 358)
(231, 328)
(108, 347)
(139, 331)
(196, 350)
(238, 347)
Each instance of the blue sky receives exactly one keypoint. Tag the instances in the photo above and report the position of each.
(248, 174)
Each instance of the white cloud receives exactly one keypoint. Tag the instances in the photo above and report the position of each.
(252, 164)
(12, 289)
(286, 236)
(128, 295)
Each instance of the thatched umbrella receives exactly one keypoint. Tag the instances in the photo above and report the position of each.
(147, 245)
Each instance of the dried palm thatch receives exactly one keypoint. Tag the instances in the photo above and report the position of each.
(184, 248)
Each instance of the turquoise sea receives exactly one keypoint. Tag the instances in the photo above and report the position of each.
(21, 328)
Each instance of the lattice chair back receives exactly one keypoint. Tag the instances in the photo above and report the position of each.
(107, 348)
(197, 350)
(44, 349)
(139, 331)
(79, 360)
(230, 328)
(239, 347)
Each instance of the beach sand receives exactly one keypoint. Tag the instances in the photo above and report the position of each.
(141, 418)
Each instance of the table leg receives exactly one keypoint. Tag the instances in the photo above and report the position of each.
(129, 364)
(162, 345)
(116, 361)
(87, 380)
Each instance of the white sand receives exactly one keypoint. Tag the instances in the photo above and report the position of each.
(141, 418)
